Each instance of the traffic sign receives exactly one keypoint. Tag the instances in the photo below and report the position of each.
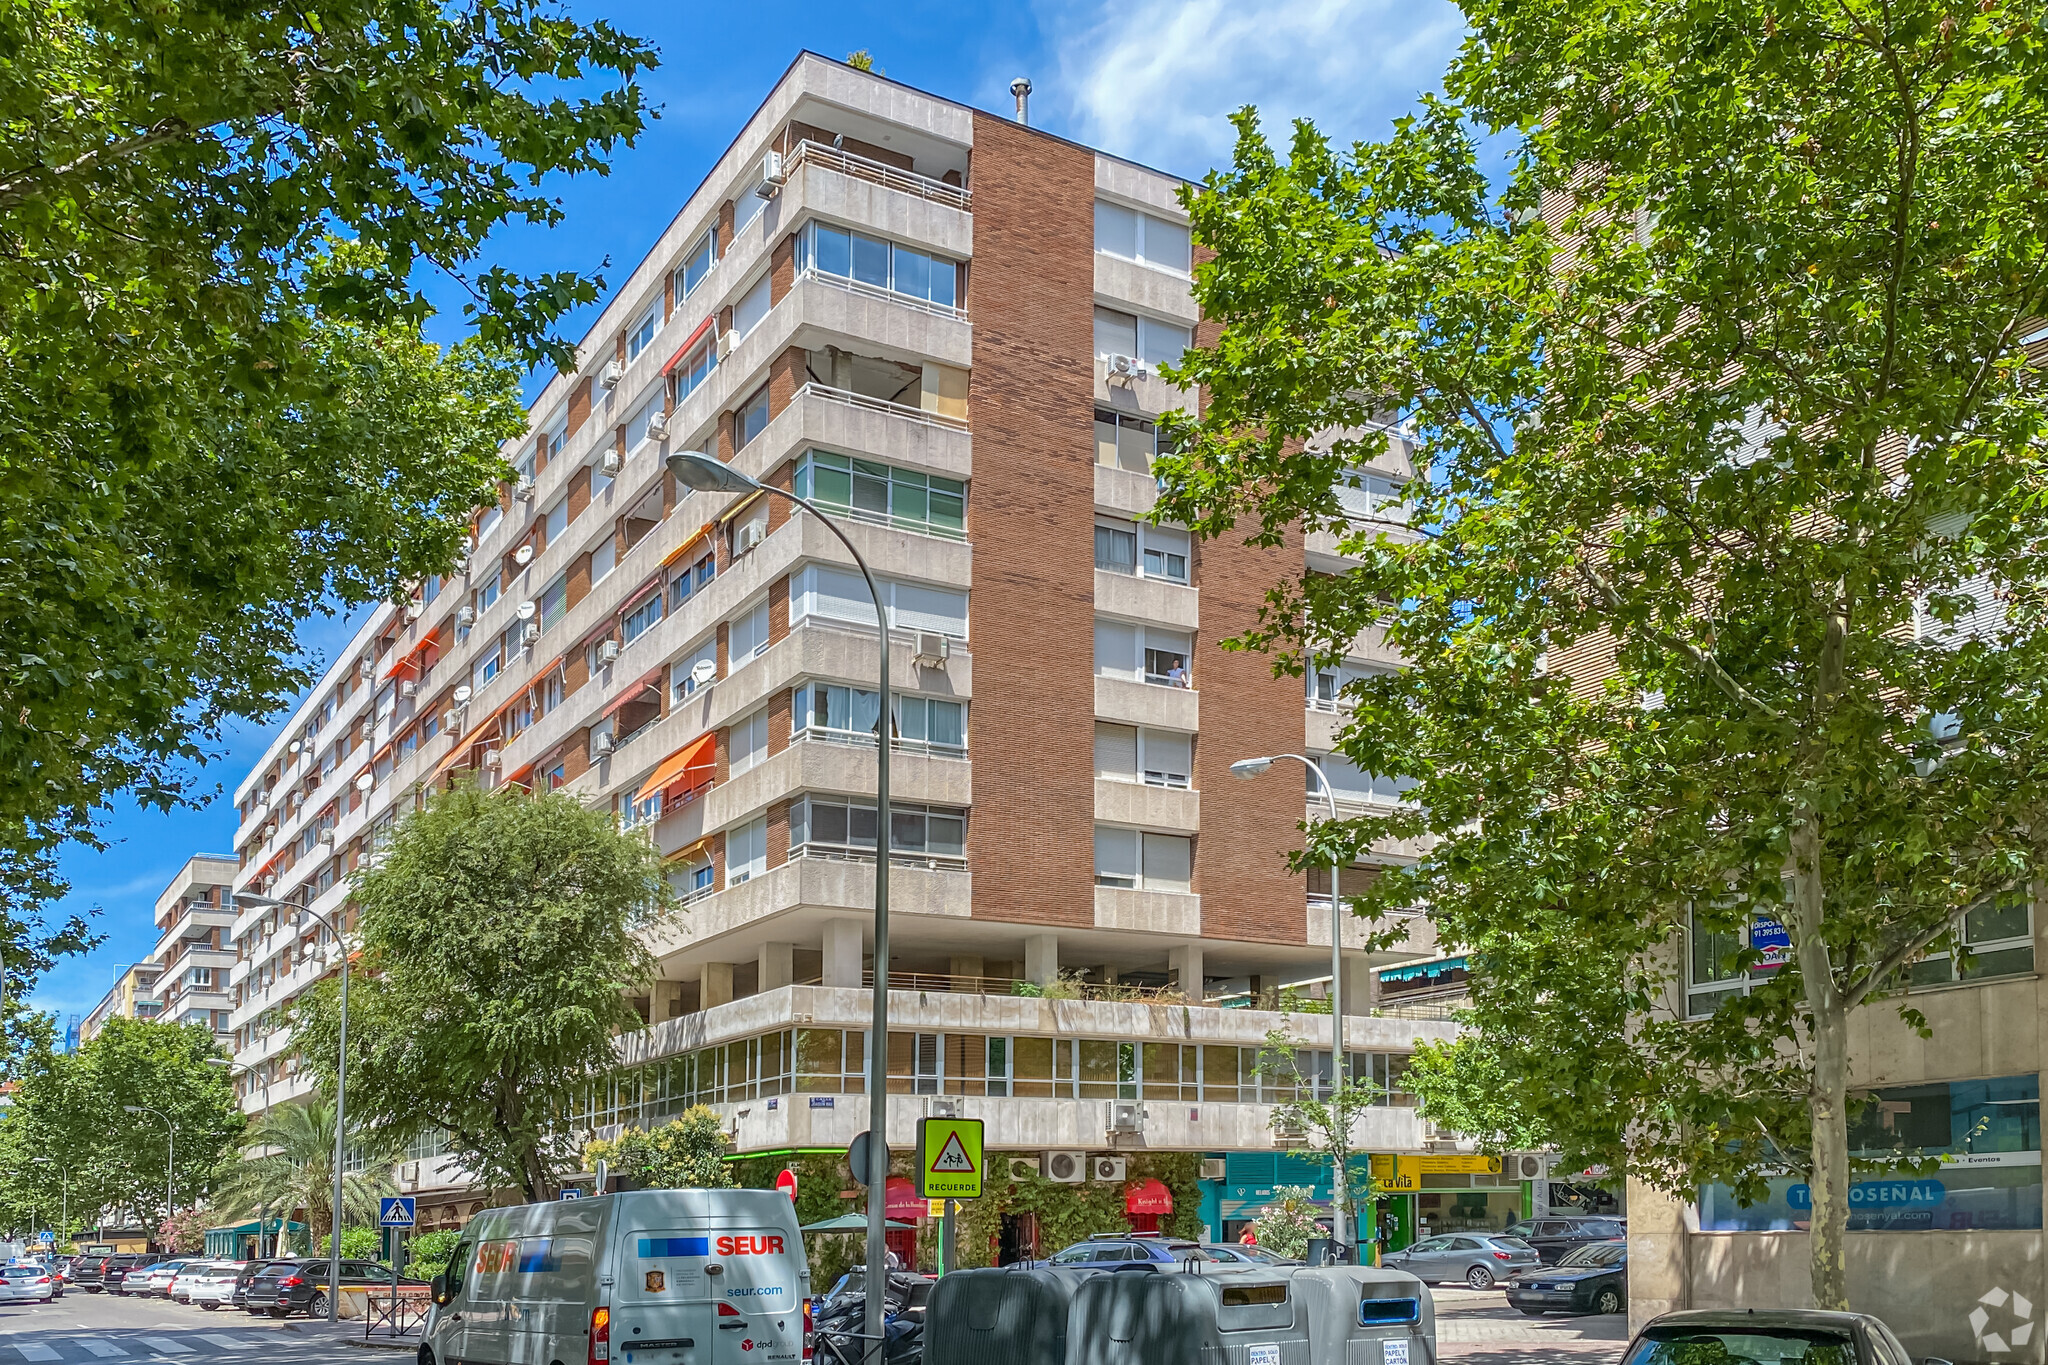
(570, 1192)
(949, 1158)
(786, 1182)
(46, 1236)
(857, 1157)
(396, 1212)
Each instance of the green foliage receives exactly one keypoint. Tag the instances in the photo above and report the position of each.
(1324, 1123)
(1285, 1225)
(687, 1153)
(429, 1251)
(1067, 1213)
(498, 949)
(1464, 1087)
(357, 1243)
(287, 1163)
(217, 421)
(862, 60)
(68, 1127)
(1706, 321)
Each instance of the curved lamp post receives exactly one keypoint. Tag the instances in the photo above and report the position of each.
(695, 469)
(170, 1155)
(1339, 1177)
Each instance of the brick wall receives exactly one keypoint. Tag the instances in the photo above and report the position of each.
(1031, 511)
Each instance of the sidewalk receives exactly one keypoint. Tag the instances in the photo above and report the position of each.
(349, 1332)
(1478, 1328)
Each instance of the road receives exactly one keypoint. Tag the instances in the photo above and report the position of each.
(100, 1329)
(1476, 1327)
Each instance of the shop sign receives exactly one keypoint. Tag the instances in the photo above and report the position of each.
(1879, 1194)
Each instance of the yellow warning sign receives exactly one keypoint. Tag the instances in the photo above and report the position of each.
(949, 1158)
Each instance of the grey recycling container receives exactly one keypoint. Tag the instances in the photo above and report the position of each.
(1014, 1315)
(1248, 1317)
(1358, 1315)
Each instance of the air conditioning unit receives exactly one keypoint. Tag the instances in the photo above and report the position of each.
(409, 1173)
(1213, 1167)
(610, 463)
(1022, 1167)
(408, 690)
(1107, 1168)
(270, 830)
(1125, 367)
(1526, 1166)
(414, 611)
(492, 758)
(1126, 1116)
(724, 345)
(524, 488)
(933, 649)
(772, 176)
(942, 1107)
(523, 556)
(530, 633)
(451, 722)
(657, 426)
(613, 372)
(747, 535)
(465, 615)
(327, 837)
(604, 743)
(608, 651)
(1066, 1168)
(1288, 1129)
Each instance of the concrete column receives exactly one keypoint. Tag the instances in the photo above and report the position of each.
(842, 952)
(961, 965)
(1184, 965)
(1042, 959)
(1361, 987)
(717, 984)
(777, 966)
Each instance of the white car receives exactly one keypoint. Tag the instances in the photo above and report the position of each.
(28, 1282)
(211, 1286)
(158, 1279)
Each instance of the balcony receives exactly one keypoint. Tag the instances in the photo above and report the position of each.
(1142, 703)
(924, 888)
(1158, 601)
(808, 154)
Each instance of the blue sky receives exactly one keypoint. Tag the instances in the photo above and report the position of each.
(1152, 80)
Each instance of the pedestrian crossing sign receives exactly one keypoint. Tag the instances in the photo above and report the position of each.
(949, 1158)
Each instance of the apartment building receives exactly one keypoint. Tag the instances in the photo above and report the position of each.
(195, 950)
(945, 328)
(132, 996)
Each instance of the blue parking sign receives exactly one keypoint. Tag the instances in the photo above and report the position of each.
(395, 1212)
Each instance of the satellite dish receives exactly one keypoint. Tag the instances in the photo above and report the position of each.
(366, 781)
(703, 671)
(296, 746)
(523, 555)
(526, 610)
(461, 694)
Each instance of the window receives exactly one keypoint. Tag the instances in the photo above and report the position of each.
(934, 722)
(835, 711)
(1142, 653)
(1352, 784)
(1133, 547)
(641, 618)
(1326, 685)
(1141, 237)
(639, 425)
(751, 420)
(1999, 939)
(1711, 971)
(680, 682)
(486, 593)
(1129, 753)
(603, 559)
(753, 306)
(748, 742)
(689, 578)
(485, 666)
(746, 207)
(747, 530)
(1125, 441)
(643, 332)
(1137, 860)
(555, 432)
(746, 851)
(557, 522)
(1365, 493)
(748, 636)
(493, 516)
(824, 825)
(697, 366)
(872, 261)
(554, 600)
(1146, 339)
(697, 263)
(834, 594)
(900, 498)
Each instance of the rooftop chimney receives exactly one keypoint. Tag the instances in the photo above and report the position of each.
(1021, 88)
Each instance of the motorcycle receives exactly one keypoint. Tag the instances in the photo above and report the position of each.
(838, 1325)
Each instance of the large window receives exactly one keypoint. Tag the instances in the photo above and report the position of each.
(1141, 237)
(1135, 547)
(752, 308)
(696, 367)
(881, 264)
(697, 263)
(825, 826)
(641, 618)
(1354, 785)
(554, 601)
(681, 674)
(639, 427)
(1712, 973)
(557, 521)
(1124, 440)
(746, 851)
(644, 331)
(1365, 493)
(747, 742)
(835, 594)
(747, 637)
(1142, 861)
(901, 498)
(1145, 339)
(688, 578)
(1999, 939)
(837, 712)
(1132, 753)
(1142, 653)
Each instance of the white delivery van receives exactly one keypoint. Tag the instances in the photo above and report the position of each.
(646, 1277)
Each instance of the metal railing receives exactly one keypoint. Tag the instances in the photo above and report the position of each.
(398, 1312)
(851, 399)
(876, 291)
(875, 172)
(855, 739)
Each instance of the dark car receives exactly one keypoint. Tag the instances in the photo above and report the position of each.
(1123, 1251)
(281, 1288)
(115, 1277)
(90, 1273)
(1553, 1237)
(1588, 1279)
(1767, 1336)
(239, 1299)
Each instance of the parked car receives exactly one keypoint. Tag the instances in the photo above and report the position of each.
(88, 1273)
(189, 1274)
(157, 1285)
(1109, 1252)
(1480, 1259)
(1588, 1279)
(237, 1298)
(1237, 1253)
(285, 1287)
(29, 1282)
(210, 1285)
(1553, 1237)
(1768, 1336)
(129, 1276)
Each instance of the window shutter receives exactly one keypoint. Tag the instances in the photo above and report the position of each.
(1116, 649)
(1116, 854)
(1116, 751)
(1169, 862)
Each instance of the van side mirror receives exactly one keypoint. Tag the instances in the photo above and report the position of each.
(438, 1290)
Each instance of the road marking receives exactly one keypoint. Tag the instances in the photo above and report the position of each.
(105, 1350)
(226, 1343)
(167, 1346)
(32, 1351)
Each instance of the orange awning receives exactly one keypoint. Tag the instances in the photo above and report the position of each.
(701, 752)
(691, 340)
(408, 656)
(688, 545)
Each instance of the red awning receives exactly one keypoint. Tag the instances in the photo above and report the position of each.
(691, 340)
(1147, 1196)
(631, 693)
(699, 755)
(410, 655)
(902, 1200)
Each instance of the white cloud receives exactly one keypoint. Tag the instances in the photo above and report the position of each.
(1156, 80)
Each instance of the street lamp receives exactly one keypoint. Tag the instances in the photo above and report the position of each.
(1248, 768)
(695, 469)
(170, 1155)
(340, 1102)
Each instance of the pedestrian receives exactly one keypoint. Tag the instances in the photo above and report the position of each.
(1177, 676)
(1251, 1235)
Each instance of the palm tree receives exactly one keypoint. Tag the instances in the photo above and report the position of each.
(287, 1163)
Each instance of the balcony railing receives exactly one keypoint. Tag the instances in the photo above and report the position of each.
(861, 168)
(854, 739)
(851, 399)
(875, 291)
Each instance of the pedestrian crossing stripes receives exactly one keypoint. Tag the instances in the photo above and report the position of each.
(80, 1350)
(105, 1350)
(169, 1346)
(34, 1351)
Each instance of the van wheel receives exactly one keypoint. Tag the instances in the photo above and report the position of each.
(426, 1355)
(1479, 1277)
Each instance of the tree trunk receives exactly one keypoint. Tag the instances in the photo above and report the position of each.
(1828, 1085)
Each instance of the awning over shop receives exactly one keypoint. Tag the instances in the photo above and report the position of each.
(700, 754)
(903, 1201)
(1148, 1196)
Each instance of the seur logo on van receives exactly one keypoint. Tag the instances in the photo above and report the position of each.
(749, 1246)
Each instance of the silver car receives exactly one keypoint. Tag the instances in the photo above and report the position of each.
(1479, 1259)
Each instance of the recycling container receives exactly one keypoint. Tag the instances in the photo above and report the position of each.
(1357, 1315)
(1014, 1315)
(1248, 1317)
